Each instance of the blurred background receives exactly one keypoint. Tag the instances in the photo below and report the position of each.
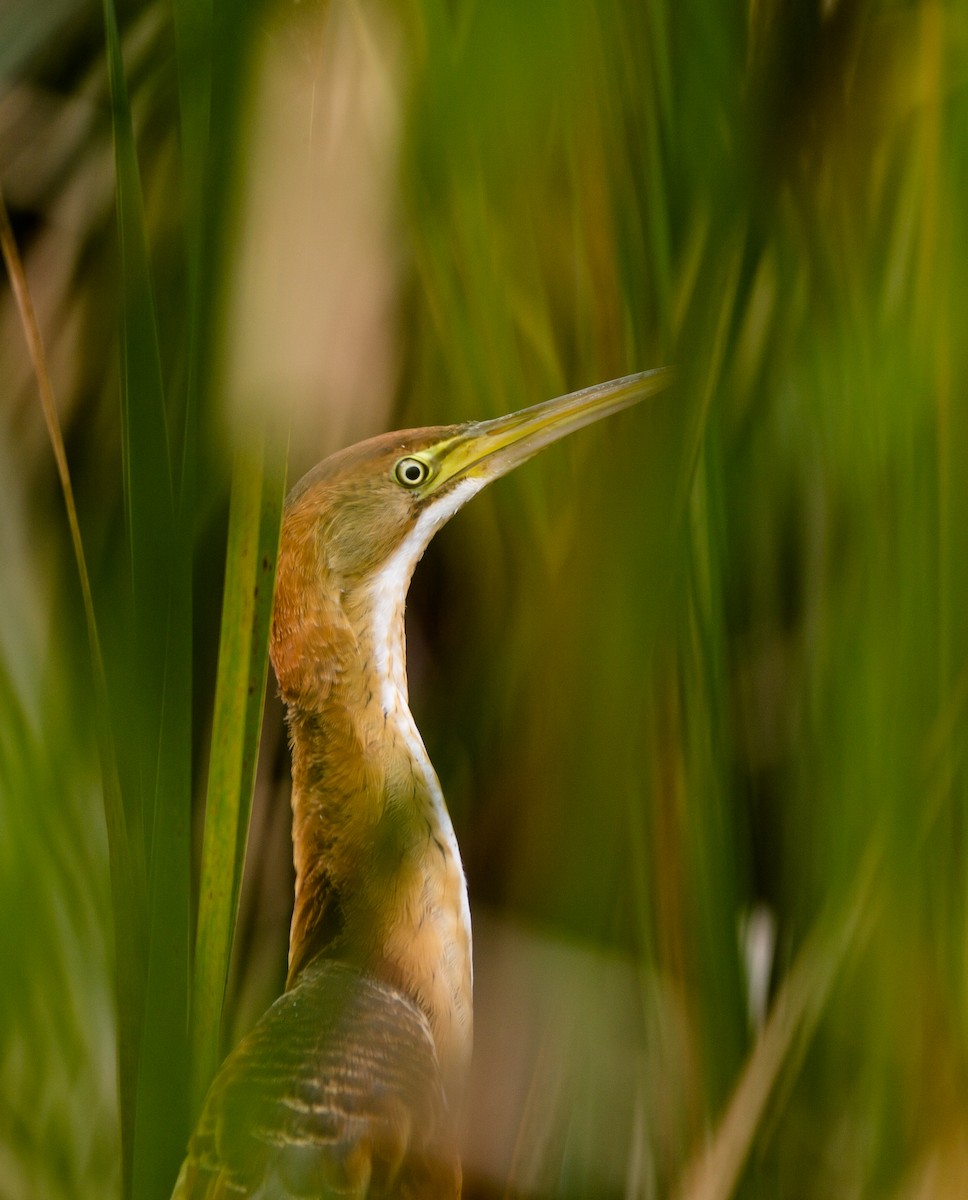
(695, 681)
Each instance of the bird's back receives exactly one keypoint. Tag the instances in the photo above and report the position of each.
(336, 1092)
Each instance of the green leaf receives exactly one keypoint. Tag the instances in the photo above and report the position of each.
(160, 764)
(253, 541)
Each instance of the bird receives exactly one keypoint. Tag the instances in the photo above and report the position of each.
(352, 1082)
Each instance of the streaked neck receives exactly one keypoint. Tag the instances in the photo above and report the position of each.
(379, 879)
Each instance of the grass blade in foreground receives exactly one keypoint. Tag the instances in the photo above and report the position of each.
(253, 541)
(127, 888)
(159, 674)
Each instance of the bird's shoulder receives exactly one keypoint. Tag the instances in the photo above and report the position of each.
(336, 1092)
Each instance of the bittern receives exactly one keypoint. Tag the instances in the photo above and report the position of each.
(349, 1084)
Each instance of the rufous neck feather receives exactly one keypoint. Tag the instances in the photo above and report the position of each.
(379, 879)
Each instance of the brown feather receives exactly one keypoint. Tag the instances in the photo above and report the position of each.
(336, 1092)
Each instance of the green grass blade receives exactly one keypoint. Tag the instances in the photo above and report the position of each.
(127, 886)
(161, 593)
(193, 43)
(254, 522)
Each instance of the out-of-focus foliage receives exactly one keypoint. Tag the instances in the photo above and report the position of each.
(695, 682)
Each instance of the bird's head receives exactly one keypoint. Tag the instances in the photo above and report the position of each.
(357, 524)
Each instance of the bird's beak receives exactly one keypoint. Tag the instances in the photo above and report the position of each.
(489, 449)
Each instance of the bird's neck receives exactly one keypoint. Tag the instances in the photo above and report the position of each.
(379, 880)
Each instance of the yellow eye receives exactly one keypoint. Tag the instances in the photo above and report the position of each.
(411, 472)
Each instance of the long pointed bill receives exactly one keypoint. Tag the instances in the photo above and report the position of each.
(489, 449)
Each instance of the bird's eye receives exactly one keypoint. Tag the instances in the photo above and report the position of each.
(411, 472)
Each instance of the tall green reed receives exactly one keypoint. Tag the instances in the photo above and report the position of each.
(718, 648)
